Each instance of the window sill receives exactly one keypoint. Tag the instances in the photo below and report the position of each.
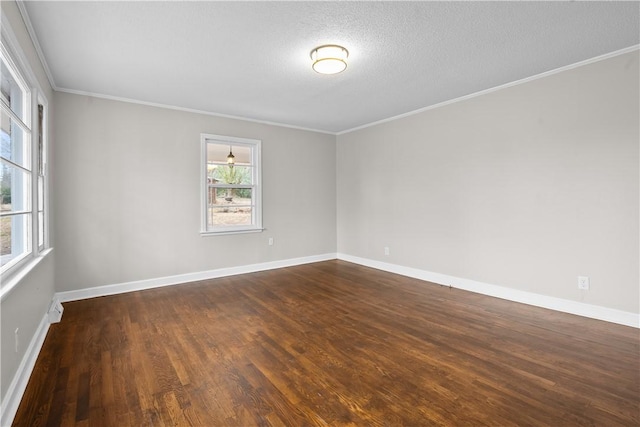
(9, 284)
(226, 232)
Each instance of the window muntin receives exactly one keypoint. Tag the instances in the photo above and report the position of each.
(231, 193)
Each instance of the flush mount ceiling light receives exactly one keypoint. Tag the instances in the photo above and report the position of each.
(329, 59)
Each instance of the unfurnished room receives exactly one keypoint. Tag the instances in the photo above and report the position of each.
(331, 213)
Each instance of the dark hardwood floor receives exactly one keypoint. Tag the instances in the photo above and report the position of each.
(330, 343)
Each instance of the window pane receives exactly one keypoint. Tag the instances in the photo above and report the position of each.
(218, 153)
(229, 175)
(40, 211)
(15, 237)
(40, 140)
(40, 193)
(230, 206)
(40, 229)
(230, 216)
(230, 197)
(14, 189)
(12, 94)
(14, 145)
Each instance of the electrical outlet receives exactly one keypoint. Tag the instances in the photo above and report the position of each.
(583, 283)
(386, 250)
(270, 241)
(16, 335)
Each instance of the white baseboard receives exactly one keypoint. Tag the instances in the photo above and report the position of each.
(558, 304)
(538, 300)
(140, 285)
(18, 385)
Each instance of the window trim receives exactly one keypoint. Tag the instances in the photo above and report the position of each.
(15, 270)
(256, 161)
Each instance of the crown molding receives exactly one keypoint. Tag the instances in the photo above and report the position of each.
(36, 43)
(496, 88)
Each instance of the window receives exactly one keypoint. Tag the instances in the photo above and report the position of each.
(41, 178)
(22, 167)
(231, 192)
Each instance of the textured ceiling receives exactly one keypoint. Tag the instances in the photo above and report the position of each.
(251, 59)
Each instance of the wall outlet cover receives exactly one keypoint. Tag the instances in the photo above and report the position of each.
(583, 283)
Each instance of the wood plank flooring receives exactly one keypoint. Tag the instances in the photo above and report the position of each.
(329, 343)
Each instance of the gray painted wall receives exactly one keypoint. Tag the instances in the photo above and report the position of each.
(127, 193)
(27, 304)
(526, 187)
(24, 308)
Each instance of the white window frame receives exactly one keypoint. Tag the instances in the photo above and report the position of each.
(16, 269)
(41, 173)
(24, 123)
(256, 186)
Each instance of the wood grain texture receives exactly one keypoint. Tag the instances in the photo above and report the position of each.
(329, 343)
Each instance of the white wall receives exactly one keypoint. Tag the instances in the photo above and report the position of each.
(526, 187)
(128, 193)
(25, 306)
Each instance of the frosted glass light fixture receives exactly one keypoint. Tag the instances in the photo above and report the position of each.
(329, 59)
